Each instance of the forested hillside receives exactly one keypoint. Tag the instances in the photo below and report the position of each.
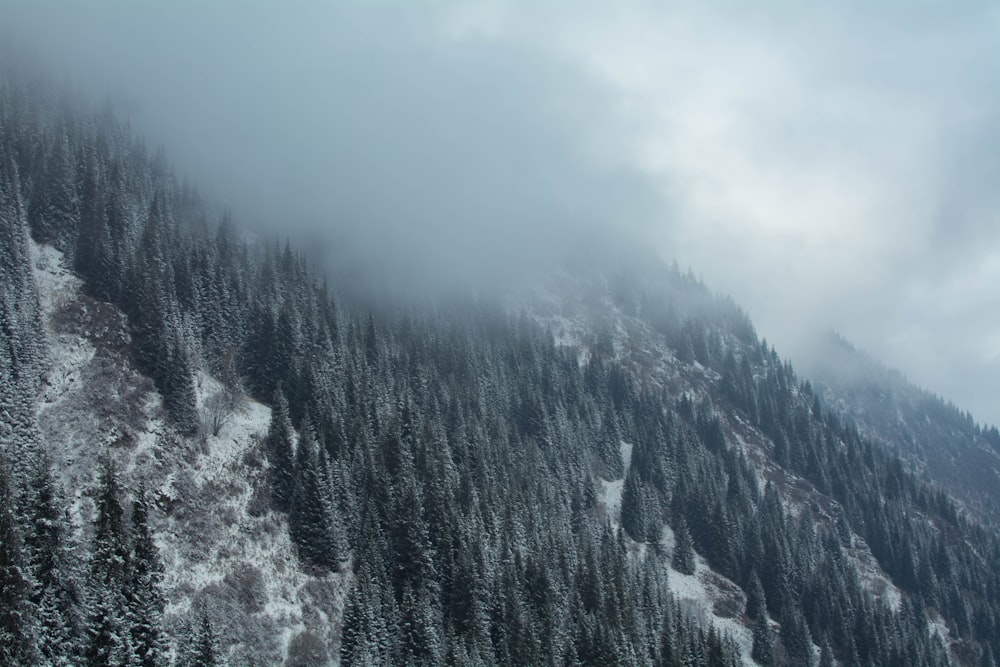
(495, 485)
(943, 443)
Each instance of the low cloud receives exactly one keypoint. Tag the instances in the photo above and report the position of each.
(829, 164)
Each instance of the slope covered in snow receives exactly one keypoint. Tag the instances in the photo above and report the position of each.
(225, 552)
(585, 314)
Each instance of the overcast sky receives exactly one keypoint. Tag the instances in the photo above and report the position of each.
(828, 164)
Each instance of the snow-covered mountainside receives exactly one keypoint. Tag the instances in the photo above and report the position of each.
(945, 445)
(224, 551)
(218, 456)
(584, 313)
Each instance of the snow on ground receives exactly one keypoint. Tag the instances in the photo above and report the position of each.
(611, 491)
(55, 282)
(626, 451)
(707, 594)
(222, 548)
(611, 497)
(936, 627)
(69, 355)
(234, 553)
(871, 575)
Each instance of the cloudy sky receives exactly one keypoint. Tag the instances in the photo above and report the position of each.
(829, 164)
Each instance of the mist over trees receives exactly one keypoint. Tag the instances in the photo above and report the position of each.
(449, 461)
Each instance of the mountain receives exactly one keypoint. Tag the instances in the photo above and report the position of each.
(211, 455)
(942, 444)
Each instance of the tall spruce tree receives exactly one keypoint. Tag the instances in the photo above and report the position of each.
(683, 556)
(280, 454)
(146, 602)
(109, 622)
(17, 623)
(313, 520)
(57, 592)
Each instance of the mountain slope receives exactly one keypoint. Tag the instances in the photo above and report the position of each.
(940, 442)
(222, 549)
(609, 469)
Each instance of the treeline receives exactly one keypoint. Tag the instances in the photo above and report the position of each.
(452, 458)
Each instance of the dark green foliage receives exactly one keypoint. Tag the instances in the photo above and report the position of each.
(205, 649)
(314, 520)
(795, 635)
(756, 604)
(54, 208)
(110, 641)
(826, 654)
(17, 643)
(370, 618)
(763, 640)
(683, 556)
(57, 593)
(22, 348)
(280, 454)
(146, 599)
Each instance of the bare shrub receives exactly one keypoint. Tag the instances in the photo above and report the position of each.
(247, 584)
(305, 650)
(260, 501)
(218, 412)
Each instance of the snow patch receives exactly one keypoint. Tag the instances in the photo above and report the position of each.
(611, 491)
(611, 497)
(626, 452)
(221, 546)
(705, 594)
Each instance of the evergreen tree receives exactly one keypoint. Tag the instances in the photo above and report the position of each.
(795, 635)
(756, 604)
(56, 593)
(109, 629)
(313, 520)
(54, 207)
(280, 453)
(633, 509)
(17, 631)
(147, 601)
(683, 556)
(206, 651)
(177, 386)
(763, 642)
(826, 654)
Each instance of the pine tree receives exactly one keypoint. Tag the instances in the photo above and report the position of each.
(795, 635)
(177, 386)
(313, 520)
(756, 604)
(54, 207)
(762, 650)
(280, 453)
(17, 637)
(206, 651)
(110, 641)
(683, 557)
(56, 593)
(147, 601)
(633, 509)
(368, 635)
(826, 654)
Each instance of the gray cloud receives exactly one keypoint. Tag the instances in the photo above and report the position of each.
(830, 164)
(365, 125)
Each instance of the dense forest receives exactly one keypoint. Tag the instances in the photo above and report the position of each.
(449, 460)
